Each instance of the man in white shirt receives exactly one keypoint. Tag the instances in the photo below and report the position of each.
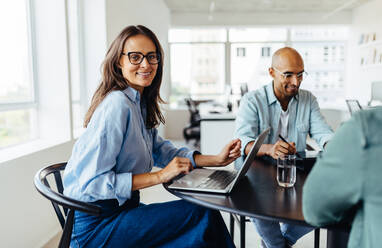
(290, 112)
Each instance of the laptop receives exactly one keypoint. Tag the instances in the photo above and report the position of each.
(353, 106)
(217, 181)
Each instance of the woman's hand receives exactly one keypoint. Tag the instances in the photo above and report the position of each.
(177, 166)
(229, 153)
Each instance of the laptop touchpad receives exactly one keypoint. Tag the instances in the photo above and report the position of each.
(194, 178)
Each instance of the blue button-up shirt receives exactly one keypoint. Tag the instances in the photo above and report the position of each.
(115, 146)
(260, 109)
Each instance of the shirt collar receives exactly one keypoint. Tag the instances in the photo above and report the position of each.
(132, 94)
(271, 94)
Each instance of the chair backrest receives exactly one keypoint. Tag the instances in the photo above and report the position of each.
(243, 88)
(353, 106)
(193, 109)
(63, 206)
(376, 91)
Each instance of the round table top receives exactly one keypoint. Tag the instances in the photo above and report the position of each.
(256, 195)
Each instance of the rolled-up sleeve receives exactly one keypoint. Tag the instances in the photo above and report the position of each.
(247, 122)
(164, 151)
(90, 173)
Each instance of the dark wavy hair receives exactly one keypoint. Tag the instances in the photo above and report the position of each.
(112, 78)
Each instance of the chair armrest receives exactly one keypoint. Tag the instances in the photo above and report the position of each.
(61, 199)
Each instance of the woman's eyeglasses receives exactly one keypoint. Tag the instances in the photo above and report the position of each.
(136, 58)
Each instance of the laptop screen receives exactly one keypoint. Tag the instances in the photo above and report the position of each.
(251, 155)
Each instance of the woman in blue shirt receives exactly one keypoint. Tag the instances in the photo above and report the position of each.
(112, 160)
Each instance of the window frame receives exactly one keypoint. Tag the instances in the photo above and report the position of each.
(288, 42)
(32, 104)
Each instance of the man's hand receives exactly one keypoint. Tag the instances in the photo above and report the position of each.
(280, 148)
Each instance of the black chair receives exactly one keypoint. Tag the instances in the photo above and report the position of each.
(192, 130)
(243, 89)
(63, 205)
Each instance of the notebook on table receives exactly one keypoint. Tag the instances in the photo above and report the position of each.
(215, 180)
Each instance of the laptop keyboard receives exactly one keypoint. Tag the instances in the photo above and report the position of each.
(218, 180)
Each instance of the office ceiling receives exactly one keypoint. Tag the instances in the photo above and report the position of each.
(261, 6)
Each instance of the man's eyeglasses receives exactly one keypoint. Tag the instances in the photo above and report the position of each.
(136, 58)
(289, 75)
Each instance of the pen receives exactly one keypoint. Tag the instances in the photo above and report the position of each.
(283, 139)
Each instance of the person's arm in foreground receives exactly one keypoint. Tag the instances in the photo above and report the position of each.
(334, 185)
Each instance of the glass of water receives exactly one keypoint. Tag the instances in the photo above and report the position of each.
(286, 170)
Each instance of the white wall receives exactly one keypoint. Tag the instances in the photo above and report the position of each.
(27, 219)
(94, 41)
(366, 19)
(53, 87)
(153, 14)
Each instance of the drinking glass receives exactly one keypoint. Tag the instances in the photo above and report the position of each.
(286, 170)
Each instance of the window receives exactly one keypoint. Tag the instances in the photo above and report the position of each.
(323, 51)
(259, 44)
(265, 52)
(197, 69)
(46, 73)
(17, 98)
(253, 69)
(207, 62)
(240, 52)
(197, 63)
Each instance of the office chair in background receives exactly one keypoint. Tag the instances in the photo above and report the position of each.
(63, 205)
(243, 88)
(353, 106)
(243, 91)
(192, 130)
(376, 93)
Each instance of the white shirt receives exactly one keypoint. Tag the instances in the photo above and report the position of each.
(283, 124)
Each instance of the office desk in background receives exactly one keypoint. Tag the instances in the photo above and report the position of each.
(216, 128)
